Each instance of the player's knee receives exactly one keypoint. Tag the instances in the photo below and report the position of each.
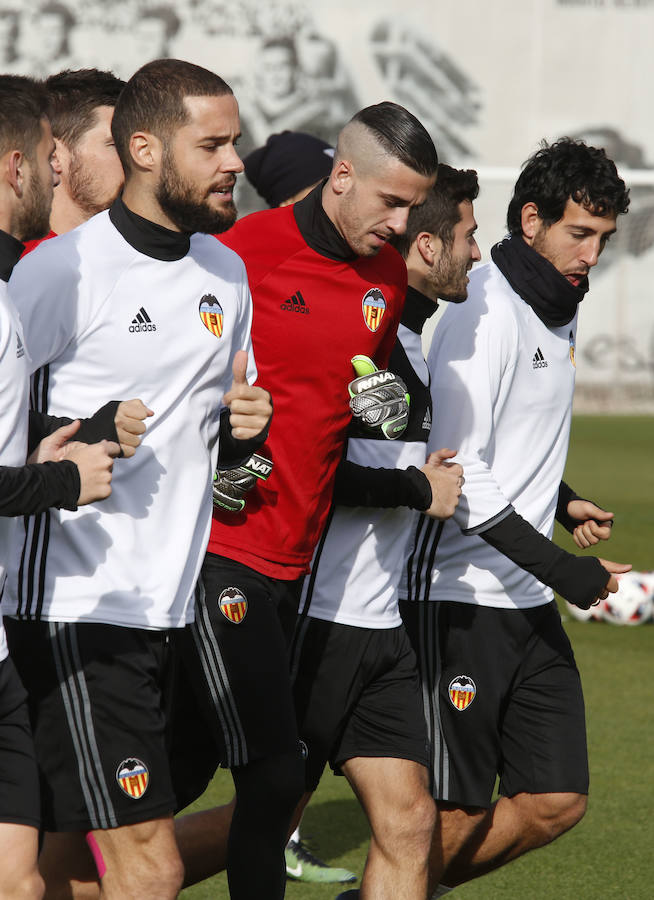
(287, 787)
(23, 886)
(409, 829)
(554, 814)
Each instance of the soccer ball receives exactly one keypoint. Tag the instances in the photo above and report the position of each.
(633, 603)
(593, 614)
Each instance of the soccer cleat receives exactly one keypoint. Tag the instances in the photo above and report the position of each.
(301, 865)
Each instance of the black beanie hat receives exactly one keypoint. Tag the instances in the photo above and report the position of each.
(288, 163)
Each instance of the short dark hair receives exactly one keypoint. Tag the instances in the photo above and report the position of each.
(440, 212)
(401, 135)
(75, 95)
(153, 100)
(23, 104)
(567, 169)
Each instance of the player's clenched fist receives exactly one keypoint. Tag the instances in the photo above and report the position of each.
(446, 481)
(250, 406)
(95, 464)
(130, 424)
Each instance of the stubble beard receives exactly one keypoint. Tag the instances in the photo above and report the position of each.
(190, 213)
(34, 221)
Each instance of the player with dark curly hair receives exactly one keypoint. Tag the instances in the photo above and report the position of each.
(501, 690)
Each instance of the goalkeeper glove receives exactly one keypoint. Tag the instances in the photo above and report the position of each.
(231, 485)
(379, 398)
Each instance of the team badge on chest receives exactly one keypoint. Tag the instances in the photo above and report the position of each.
(211, 313)
(133, 777)
(571, 341)
(233, 605)
(462, 691)
(374, 307)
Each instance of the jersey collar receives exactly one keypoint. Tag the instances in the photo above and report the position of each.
(318, 230)
(11, 250)
(147, 237)
(417, 309)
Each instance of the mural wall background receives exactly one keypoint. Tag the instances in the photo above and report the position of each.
(489, 81)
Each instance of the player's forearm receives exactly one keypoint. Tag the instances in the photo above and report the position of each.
(31, 489)
(98, 427)
(357, 485)
(577, 579)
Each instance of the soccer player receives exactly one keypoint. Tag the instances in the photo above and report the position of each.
(326, 286)
(90, 174)
(26, 186)
(133, 298)
(501, 689)
(283, 171)
(356, 686)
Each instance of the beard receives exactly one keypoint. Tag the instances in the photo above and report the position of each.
(450, 278)
(87, 190)
(34, 219)
(188, 207)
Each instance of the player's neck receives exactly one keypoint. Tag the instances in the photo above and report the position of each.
(421, 283)
(66, 214)
(145, 204)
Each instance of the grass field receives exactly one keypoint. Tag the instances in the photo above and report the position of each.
(610, 854)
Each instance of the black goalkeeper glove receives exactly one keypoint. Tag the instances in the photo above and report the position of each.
(231, 485)
(379, 398)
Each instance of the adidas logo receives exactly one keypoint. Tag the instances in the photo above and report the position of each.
(426, 422)
(142, 322)
(20, 350)
(539, 361)
(296, 304)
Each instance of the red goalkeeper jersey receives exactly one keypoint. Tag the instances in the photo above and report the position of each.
(316, 305)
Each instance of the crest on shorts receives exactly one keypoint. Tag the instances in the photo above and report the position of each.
(233, 604)
(374, 307)
(211, 313)
(462, 691)
(133, 777)
(571, 340)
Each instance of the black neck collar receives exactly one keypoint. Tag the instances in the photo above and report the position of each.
(537, 281)
(318, 230)
(417, 309)
(147, 237)
(11, 251)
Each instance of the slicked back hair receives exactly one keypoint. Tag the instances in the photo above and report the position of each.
(153, 101)
(567, 169)
(440, 212)
(401, 135)
(75, 95)
(23, 103)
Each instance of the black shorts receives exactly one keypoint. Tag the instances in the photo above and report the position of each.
(97, 697)
(19, 778)
(357, 693)
(502, 696)
(233, 683)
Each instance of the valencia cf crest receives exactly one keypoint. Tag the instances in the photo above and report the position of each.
(572, 349)
(233, 605)
(374, 307)
(211, 313)
(462, 691)
(133, 778)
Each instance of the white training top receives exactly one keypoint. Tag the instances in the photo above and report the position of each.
(113, 323)
(502, 385)
(14, 390)
(357, 565)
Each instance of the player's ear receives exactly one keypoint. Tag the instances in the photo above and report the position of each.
(146, 151)
(57, 158)
(429, 247)
(530, 221)
(342, 177)
(12, 170)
